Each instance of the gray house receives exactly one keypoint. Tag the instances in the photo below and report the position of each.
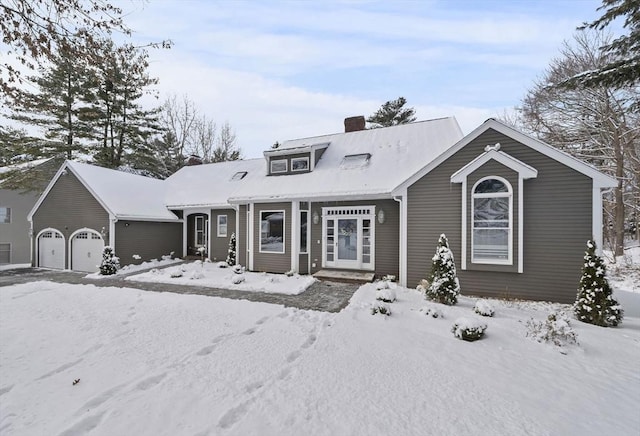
(86, 207)
(517, 211)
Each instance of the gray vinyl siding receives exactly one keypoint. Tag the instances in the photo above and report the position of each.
(557, 224)
(220, 244)
(303, 263)
(69, 206)
(387, 237)
(272, 262)
(16, 232)
(318, 154)
(241, 236)
(149, 240)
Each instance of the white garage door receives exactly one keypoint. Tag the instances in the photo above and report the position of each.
(51, 250)
(86, 251)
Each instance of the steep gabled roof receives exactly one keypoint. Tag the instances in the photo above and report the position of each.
(122, 195)
(394, 152)
(600, 180)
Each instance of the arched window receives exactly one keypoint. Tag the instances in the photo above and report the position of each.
(492, 221)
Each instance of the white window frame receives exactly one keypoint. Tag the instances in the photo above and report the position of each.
(299, 159)
(284, 233)
(286, 166)
(221, 227)
(509, 195)
(7, 215)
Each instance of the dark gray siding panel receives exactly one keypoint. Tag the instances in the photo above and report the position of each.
(272, 262)
(220, 244)
(149, 240)
(16, 232)
(557, 224)
(386, 235)
(69, 207)
(241, 236)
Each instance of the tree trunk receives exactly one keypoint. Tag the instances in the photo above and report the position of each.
(619, 196)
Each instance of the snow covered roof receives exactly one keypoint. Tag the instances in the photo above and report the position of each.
(211, 185)
(394, 154)
(123, 195)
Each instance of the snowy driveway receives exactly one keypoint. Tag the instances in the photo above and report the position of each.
(322, 295)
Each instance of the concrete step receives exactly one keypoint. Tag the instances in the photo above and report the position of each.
(345, 276)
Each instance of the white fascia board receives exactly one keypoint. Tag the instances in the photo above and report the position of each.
(312, 198)
(601, 180)
(149, 218)
(225, 205)
(294, 150)
(524, 171)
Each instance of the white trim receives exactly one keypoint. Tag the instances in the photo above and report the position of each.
(357, 215)
(596, 219)
(226, 232)
(237, 232)
(306, 159)
(463, 234)
(402, 256)
(112, 232)
(295, 219)
(185, 223)
(525, 171)
(286, 166)
(599, 179)
(250, 224)
(319, 198)
(509, 195)
(520, 224)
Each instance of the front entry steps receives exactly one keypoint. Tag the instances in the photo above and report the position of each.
(345, 276)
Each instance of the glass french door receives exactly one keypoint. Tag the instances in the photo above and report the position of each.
(348, 242)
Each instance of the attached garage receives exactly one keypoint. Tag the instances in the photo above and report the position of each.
(51, 249)
(86, 251)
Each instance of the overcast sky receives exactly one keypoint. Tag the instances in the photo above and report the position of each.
(289, 69)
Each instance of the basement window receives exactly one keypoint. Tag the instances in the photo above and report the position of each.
(352, 161)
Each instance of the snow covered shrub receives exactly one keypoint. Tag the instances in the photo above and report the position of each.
(197, 275)
(110, 263)
(238, 269)
(594, 302)
(176, 274)
(222, 264)
(231, 252)
(290, 273)
(431, 311)
(443, 286)
(382, 284)
(237, 279)
(484, 308)
(387, 295)
(380, 307)
(468, 329)
(556, 329)
(389, 278)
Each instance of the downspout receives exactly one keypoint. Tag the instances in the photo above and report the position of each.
(401, 199)
(236, 207)
(112, 232)
(597, 215)
(31, 243)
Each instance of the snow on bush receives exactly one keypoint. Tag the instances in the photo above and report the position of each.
(556, 329)
(484, 308)
(110, 263)
(468, 329)
(594, 302)
(382, 284)
(443, 285)
(222, 264)
(380, 307)
(386, 295)
(432, 311)
(238, 269)
(237, 279)
(175, 274)
(197, 275)
(290, 273)
(231, 251)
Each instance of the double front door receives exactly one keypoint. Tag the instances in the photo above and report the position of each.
(348, 238)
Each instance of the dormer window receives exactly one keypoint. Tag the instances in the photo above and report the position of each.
(300, 164)
(239, 175)
(352, 161)
(278, 166)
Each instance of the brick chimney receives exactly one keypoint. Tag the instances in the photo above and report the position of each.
(353, 124)
(194, 160)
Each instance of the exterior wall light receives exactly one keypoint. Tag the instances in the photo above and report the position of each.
(381, 216)
(316, 217)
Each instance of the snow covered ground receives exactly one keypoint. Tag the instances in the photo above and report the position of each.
(14, 266)
(131, 268)
(212, 275)
(171, 364)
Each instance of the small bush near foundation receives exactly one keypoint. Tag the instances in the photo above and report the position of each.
(110, 263)
(237, 279)
(468, 329)
(483, 308)
(381, 308)
(431, 311)
(387, 295)
(444, 286)
(197, 275)
(556, 330)
(238, 269)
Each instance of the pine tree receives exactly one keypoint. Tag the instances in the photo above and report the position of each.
(110, 262)
(594, 302)
(231, 253)
(444, 286)
(392, 113)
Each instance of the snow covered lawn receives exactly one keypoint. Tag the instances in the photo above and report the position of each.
(131, 268)
(172, 364)
(211, 275)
